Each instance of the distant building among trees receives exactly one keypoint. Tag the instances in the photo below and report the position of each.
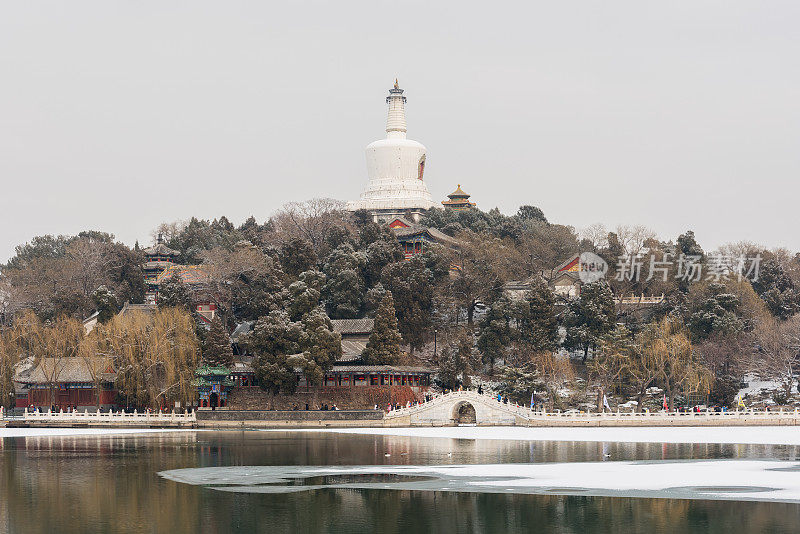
(458, 200)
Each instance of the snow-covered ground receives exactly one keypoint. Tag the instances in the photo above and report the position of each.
(770, 435)
(32, 432)
(741, 480)
(754, 387)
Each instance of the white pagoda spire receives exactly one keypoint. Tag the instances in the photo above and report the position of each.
(396, 120)
(395, 167)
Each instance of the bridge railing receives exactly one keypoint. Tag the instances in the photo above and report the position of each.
(576, 415)
(111, 418)
(436, 399)
(703, 414)
(441, 398)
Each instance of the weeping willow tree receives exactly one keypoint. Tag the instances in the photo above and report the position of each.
(678, 366)
(154, 356)
(47, 344)
(12, 340)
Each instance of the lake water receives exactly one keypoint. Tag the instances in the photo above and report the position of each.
(118, 484)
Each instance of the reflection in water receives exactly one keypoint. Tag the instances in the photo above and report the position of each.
(110, 484)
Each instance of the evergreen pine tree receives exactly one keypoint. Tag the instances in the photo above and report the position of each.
(273, 339)
(457, 361)
(217, 345)
(173, 293)
(413, 283)
(539, 324)
(383, 346)
(106, 303)
(496, 332)
(590, 317)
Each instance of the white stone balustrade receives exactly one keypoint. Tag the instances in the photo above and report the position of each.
(111, 418)
(441, 410)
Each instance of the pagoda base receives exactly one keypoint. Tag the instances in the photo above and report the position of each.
(387, 215)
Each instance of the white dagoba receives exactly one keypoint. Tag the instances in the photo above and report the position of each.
(395, 166)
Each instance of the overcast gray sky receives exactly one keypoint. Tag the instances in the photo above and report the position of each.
(118, 115)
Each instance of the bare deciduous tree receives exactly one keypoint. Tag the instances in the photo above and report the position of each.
(596, 234)
(777, 353)
(168, 231)
(634, 238)
(484, 263)
(553, 370)
(312, 220)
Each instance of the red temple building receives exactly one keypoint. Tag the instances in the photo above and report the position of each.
(64, 383)
(418, 378)
(415, 238)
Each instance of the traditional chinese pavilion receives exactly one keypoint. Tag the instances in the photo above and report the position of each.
(194, 276)
(213, 385)
(159, 257)
(458, 200)
(414, 238)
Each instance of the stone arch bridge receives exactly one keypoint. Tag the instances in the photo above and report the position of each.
(459, 407)
(469, 407)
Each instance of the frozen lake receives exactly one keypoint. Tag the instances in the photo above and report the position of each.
(399, 480)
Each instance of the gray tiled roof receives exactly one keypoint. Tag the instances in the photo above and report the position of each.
(351, 350)
(144, 308)
(241, 329)
(241, 367)
(380, 369)
(73, 369)
(160, 249)
(418, 230)
(353, 326)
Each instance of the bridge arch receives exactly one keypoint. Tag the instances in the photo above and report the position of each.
(464, 413)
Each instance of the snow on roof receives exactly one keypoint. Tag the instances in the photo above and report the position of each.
(160, 249)
(381, 369)
(353, 326)
(351, 350)
(52, 370)
(188, 274)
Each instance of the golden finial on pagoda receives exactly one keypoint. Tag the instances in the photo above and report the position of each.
(396, 84)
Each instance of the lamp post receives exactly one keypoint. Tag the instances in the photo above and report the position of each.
(435, 331)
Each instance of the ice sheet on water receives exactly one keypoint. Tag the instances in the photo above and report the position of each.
(741, 480)
(771, 435)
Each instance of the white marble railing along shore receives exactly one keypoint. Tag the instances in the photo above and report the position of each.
(110, 418)
(440, 410)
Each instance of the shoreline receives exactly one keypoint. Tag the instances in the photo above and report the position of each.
(301, 420)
